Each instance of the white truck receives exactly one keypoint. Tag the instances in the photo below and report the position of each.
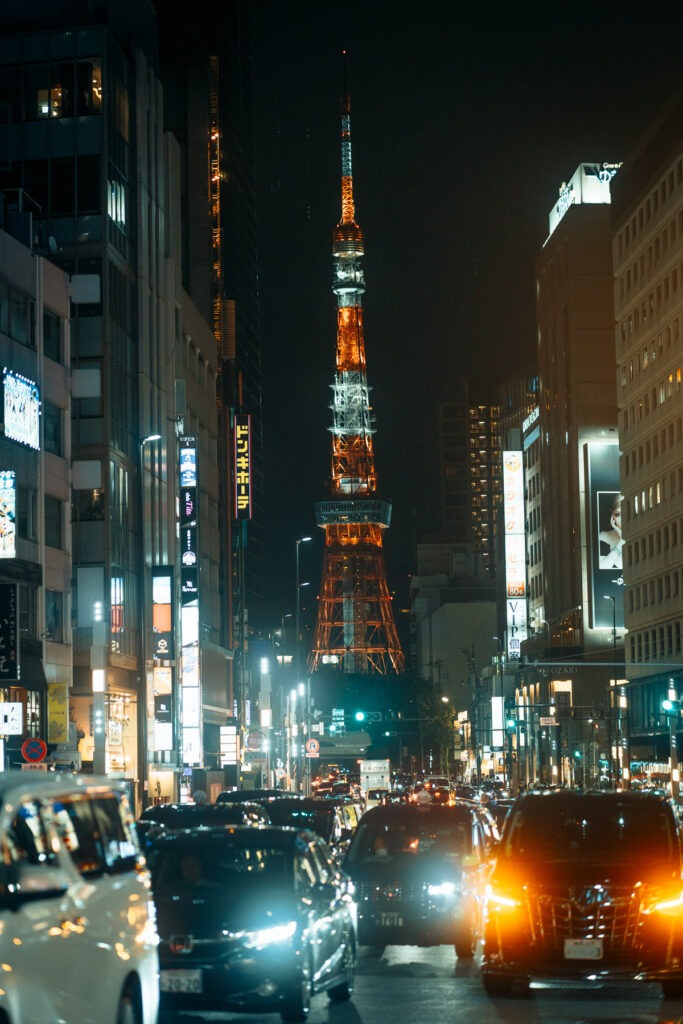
(375, 775)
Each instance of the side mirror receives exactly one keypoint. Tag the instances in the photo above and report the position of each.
(26, 883)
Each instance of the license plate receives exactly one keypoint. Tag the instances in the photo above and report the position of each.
(180, 981)
(387, 920)
(583, 949)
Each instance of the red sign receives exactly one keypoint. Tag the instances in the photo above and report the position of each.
(34, 749)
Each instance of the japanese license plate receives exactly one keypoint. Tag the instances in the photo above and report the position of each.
(583, 949)
(180, 981)
(387, 919)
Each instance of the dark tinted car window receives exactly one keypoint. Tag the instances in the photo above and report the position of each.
(234, 868)
(96, 832)
(584, 829)
(410, 839)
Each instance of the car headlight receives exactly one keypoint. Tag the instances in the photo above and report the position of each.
(502, 899)
(442, 889)
(672, 904)
(261, 937)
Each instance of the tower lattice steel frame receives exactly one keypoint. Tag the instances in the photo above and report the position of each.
(355, 627)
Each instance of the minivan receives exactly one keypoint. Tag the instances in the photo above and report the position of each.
(78, 938)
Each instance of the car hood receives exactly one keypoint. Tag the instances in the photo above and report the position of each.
(405, 869)
(210, 914)
(568, 874)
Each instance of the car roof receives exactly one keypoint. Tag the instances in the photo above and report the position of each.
(279, 835)
(15, 785)
(413, 813)
(597, 797)
(227, 809)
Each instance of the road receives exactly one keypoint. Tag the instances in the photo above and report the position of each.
(410, 985)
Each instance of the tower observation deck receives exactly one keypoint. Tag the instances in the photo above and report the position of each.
(355, 627)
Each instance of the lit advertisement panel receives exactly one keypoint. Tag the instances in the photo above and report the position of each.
(242, 466)
(162, 612)
(515, 551)
(605, 537)
(21, 409)
(190, 680)
(8, 514)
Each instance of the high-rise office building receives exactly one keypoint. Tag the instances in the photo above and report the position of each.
(648, 271)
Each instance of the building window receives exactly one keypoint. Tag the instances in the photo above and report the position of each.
(54, 616)
(27, 610)
(52, 429)
(54, 522)
(26, 513)
(52, 336)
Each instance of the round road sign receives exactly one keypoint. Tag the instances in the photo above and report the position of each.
(34, 749)
(312, 746)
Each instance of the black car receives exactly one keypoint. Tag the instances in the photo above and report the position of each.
(586, 886)
(250, 919)
(176, 816)
(420, 874)
(333, 819)
(231, 796)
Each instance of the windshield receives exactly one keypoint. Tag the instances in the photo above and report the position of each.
(590, 829)
(409, 840)
(231, 868)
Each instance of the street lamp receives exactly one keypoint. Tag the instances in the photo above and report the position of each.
(146, 698)
(612, 688)
(300, 540)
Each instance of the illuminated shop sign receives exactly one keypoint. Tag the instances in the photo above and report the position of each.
(8, 513)
(163, 707)
(21, 409)
(242, 466)
(162, 613)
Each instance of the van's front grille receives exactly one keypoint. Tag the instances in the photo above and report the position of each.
(592, 912)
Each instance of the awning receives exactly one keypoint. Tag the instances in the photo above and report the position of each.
(31, 672)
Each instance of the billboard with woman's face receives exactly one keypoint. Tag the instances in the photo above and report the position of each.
(606, 539)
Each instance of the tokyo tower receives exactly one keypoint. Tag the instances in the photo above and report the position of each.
(355, 627)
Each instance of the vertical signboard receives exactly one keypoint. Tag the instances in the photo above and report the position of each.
(242, 466)
(162, 613)
(606, 540)
(190, 683)
(8, 514)
(21, 409)
(515, 550)
(9, 651)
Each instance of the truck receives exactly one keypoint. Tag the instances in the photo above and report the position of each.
(375, 774)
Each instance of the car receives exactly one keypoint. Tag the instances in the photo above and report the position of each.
(78, 939)
(420, 874)
(175, 816)
(250, 919)
(586, 885)
(228, 796)
(333, 820)
(375, 797)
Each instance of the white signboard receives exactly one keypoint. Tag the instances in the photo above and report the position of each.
(11, 718)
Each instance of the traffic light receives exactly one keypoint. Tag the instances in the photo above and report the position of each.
(368, 716)
(360, 716)
(510, 723)
(671, 707)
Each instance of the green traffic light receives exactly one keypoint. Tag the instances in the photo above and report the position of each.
(360, 716)
(668, 705)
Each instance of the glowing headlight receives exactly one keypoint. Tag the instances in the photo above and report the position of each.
(673, 905)
(502, 900)
(443, 889)
(269, 936)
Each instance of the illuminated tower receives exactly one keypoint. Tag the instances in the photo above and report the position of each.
(355, 627)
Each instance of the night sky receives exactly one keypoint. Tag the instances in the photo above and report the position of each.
(463, 129)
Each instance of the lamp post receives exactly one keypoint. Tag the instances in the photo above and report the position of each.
(612, 690)
(146, 691)
(297, 659)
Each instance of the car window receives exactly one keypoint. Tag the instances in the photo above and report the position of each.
(576, 831)
(411, 840)
(25, 840)
(236, 868)
(96, 832)
(305, 871)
